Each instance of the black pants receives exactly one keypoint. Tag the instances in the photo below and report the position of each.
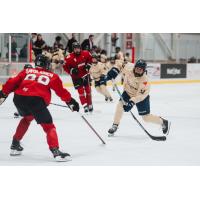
(100, 82)
(30, 105)
(85, 81)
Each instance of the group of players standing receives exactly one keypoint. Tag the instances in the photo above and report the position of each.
(32, 95)
(83, 68)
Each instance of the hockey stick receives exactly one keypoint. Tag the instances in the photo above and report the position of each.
(2, 100)
(158, 138)
(86, 121)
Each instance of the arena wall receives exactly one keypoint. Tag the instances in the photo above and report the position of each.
(158, 73)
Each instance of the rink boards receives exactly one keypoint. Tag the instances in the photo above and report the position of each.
(158, 73)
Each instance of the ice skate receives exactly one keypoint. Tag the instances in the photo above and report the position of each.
(110, 99)
(60, 156)
(16, 148)
(16, 115)
(112, 130)
(90, 107)
(165, 126)
(86, 110)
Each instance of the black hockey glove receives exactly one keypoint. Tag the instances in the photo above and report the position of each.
(128, 106)
(73, 104)
(102, 76)
(74, 71)
(62, 62)
(2, 97)
(112, 74)
(87, 67)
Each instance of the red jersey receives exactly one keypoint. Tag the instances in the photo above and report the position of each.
(36, 82)
(77, 61)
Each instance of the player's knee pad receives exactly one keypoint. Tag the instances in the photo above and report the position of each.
(77, 83)
(43, 117)
(80, 90)
(28, 119)
(48, 127)
(88, 93)
(87, 89)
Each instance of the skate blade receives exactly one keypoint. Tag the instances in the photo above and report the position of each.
(15, 153)
(16, 117)
(109, 101)
(93, 112)
(111, 135)
(60, 159)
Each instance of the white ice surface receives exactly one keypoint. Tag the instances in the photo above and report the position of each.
(178, 103)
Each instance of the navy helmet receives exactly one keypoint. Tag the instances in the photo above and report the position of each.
(142, 65)
(94, 55)
(42, 61)
(78, 46)
(75, 45)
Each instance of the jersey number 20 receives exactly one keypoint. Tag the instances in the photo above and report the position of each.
(41, 79)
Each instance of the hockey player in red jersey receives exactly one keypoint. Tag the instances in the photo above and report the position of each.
(26, 66)
(77, 66)
(32, 95)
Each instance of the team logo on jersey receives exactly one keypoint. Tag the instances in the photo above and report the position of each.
(25, 89)
(145, 83)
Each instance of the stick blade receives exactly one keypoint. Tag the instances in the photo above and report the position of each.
(159, 138)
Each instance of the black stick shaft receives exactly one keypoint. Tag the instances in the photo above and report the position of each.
(55, 104)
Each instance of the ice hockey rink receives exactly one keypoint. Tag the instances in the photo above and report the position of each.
(178, 103)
